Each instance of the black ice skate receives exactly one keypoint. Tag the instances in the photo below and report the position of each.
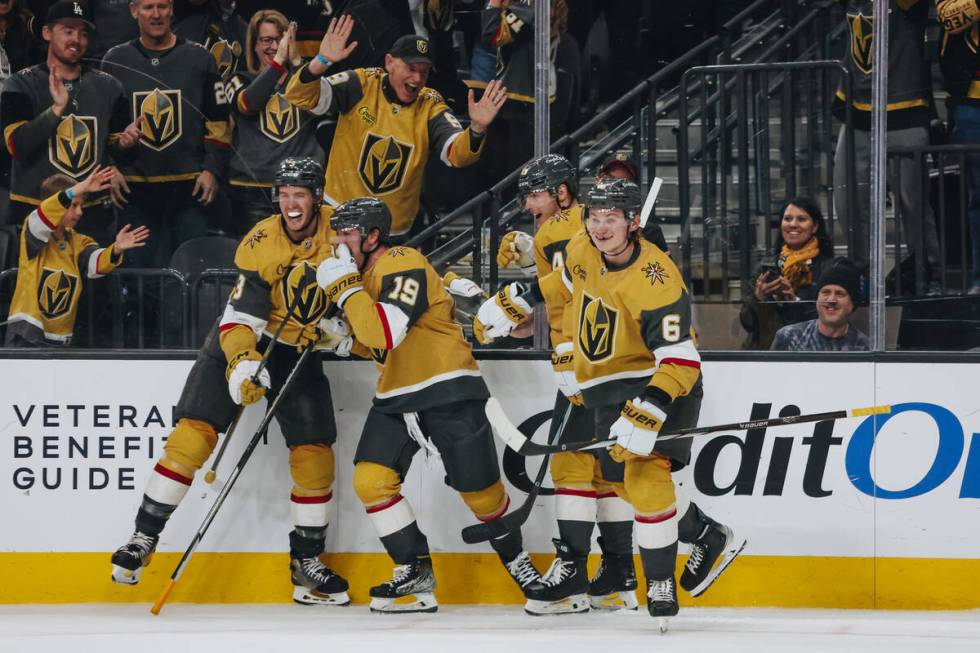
(317, 584)
(614, 585)
(563, 588)
(522, 570)
(711, 554)
(129, 559)
(662, 600)
(410, 589)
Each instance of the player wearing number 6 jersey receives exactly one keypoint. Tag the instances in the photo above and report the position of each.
(430, 396)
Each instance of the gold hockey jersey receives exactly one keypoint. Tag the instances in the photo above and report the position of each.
(49, 275)
(381, 146)
(550, 242)
(631, 326)
(403, 319)
(274, 274)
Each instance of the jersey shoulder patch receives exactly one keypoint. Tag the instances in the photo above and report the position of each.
(400, 258)
(252, 251)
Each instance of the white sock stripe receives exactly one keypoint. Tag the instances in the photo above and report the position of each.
(165, 490)
(656, 535)
(393, 518)
(315, 515)
(613, 509)
(574, 507)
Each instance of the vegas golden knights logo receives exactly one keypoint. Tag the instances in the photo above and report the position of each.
(862, 29)
(280, 120)
(226, 56)
(72, 149)
(379, 355)
(383, 163)
(312, 304)
(56, 293)
(597, 329)
(162, 119)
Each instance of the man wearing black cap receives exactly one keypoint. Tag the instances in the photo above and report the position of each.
(622, 166)
(837, 288)
(62, 116)
(388, 122)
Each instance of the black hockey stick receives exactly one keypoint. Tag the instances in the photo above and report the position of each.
(514, 519)
(259, 434)
(523, 445)
(212, 473)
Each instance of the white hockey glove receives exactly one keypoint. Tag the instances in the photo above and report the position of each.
(517, 248)
(339, 276)
(467, 296)
(636, 429)
(245, 390)
(499, 315)
(335, 336)
(563, 363)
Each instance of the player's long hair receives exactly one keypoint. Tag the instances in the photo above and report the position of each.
(252, 35)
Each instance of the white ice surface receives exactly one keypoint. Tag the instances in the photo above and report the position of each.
(185, 628)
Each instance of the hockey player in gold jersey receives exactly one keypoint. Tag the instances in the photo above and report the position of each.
(54, 259)
(388, 122)
(277, 282)
(430, 395)
(637, 364)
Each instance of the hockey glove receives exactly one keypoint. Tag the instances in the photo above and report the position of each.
(517, 248)
(335, 336)
(563, 362)
(636, 429)
(339, 276)
(467, 296)
(499, 315)
(243, 388)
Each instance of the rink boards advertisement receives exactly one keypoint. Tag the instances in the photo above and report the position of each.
(867, 512)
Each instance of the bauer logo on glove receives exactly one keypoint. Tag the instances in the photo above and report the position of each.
(499, 315)
(339, 276)
(636, 429)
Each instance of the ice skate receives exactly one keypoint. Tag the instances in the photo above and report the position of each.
(614, 585)
(564, 587)
(317, 584)
(710, 556)
(409, 590)
(522, 570)
(662, 601)
(129, 559)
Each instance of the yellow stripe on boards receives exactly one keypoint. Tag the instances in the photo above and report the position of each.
(467, 578)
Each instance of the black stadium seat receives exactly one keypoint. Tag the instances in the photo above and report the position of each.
(208, 264)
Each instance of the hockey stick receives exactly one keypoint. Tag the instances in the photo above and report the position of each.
(651, 198)
(259, 434)
(212, 473)
(514, 519)
(523, 445)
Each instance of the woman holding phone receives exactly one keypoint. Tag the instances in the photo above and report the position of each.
(783, 291)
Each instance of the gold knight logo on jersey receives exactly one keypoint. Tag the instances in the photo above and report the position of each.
(597, 329)
(312, 304)
(383, 163)
(379, 355)
(862, 29)
(56, 291)
(226, 56)
(72, 149)
(280, 120)
(162, 117)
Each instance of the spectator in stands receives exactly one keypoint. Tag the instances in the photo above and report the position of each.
(784, 290)
(909, 95)
(114, 24)
(54, 259)
(19, 45)
(960, 62)
(62, 116)
(388, 123)
(174, 86)
(622, 166)
(832, 330)
(215, 25)
(267, 128)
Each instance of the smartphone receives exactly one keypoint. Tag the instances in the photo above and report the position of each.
(770, 271)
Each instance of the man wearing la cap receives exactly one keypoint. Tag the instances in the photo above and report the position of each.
(388, 121)
(837, 290)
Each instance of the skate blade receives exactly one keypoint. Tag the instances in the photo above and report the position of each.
(663, 623)
(732, 548)
(625, 600)
(574, 604)
(125, 576)
(307, 596)
(419, 602)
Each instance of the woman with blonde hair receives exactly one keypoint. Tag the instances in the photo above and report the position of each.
(268, 128)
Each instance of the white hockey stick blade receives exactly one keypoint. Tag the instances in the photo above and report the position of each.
(651, 198)
(504, 428)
